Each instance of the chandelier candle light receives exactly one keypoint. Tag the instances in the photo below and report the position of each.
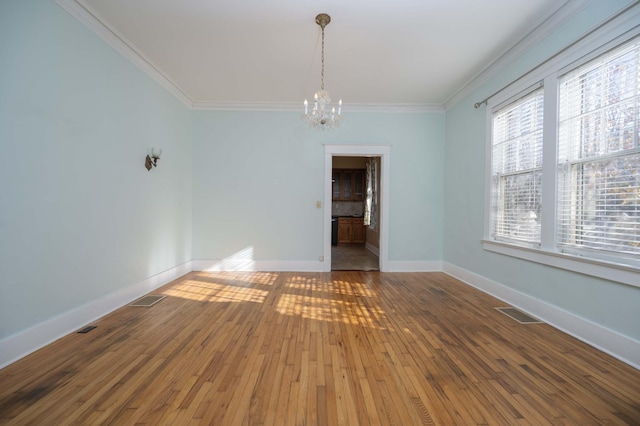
(320, 117)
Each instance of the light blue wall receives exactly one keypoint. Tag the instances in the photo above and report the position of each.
(80, 216)
(613, 305)
(257, 177)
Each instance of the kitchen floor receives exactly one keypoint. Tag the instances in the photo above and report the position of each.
(353, 258)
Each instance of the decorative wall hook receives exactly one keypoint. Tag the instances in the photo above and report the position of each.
(152, 159)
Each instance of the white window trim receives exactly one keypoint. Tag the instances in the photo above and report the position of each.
(616, 32)
(492, 112)
(598, 268)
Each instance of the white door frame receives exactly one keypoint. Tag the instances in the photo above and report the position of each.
(382, 151)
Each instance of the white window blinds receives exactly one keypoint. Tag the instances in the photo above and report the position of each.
(516, 164)
(599, 155)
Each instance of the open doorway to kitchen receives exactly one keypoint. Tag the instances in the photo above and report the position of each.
(356, 208)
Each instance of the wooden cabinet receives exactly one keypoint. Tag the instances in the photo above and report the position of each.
(348, 185)
(351, 230)
(344, 230)
(358, 231)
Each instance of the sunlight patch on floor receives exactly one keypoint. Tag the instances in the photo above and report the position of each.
(321, 309)
(237, 277)
(213, 292)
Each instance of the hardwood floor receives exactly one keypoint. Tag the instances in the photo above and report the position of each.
(343, 348)
(353, 258)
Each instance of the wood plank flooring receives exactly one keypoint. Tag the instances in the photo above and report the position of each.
(340, 348)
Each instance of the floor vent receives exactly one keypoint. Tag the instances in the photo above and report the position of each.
(519, 316)
(87, 329)
(148, 301)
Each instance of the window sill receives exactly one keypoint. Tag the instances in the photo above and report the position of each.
(608, 270)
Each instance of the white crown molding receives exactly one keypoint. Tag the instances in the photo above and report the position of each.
(19, 345)
(615, 344)
(83, 13)
(91, 19)
(393, 108)
(614, 29)
(297, 107)
(247, 106)
(537, 34)
(80, 10)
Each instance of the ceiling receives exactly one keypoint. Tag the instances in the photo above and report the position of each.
(419, 52)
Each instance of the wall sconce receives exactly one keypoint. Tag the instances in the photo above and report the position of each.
(152, 159)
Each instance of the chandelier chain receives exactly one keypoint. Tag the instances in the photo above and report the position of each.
(322, 60)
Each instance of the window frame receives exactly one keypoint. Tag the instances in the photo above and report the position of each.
(502, 176)
(549, 253)
(578, 219)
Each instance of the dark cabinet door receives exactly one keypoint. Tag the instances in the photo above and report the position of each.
(336, 183)
(358, 185)
(347, 185)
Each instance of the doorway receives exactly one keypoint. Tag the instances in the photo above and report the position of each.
(355, 209)
(354, 256)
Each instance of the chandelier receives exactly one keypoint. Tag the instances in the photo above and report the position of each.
(322, 116)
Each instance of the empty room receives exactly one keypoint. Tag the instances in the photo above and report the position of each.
(346, 212)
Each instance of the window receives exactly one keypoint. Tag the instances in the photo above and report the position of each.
(599, 156)
(516, 170)
(579, 209)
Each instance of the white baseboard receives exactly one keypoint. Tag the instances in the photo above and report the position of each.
(373, 249)
(23, 343)
(257, 265)
(414, 266)
(615, 344)
(304, 266)
(19, 345)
